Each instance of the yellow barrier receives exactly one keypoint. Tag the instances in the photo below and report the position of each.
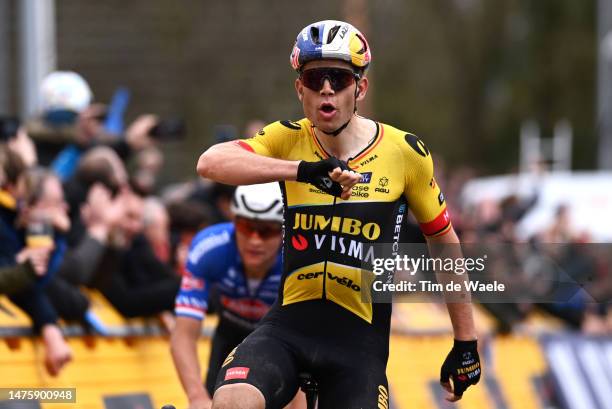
(144, 365)
(106, 366)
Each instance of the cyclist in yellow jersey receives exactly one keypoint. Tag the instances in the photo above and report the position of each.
(347, 184)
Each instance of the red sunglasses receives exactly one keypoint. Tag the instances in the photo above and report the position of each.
(264, 229)
(339, 78)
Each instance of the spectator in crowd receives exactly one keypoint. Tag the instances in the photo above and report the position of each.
(31, 263)
(100, 165)
(149, 163)
(186, 219)
(129, 273)
(70, 124)
(41, 195)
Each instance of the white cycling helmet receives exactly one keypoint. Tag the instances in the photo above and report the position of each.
(331, 40)
(261, 202)
(65, 90)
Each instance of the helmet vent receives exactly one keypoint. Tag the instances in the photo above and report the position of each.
(332, 34)
(314, 34)
(364, 46)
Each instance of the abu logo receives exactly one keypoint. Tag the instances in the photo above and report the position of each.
(346, 225)
(383, 182)
(343, 281)
(299, 242)
(366, 177)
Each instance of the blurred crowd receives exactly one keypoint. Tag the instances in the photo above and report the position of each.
(557, 272)
(81, 210)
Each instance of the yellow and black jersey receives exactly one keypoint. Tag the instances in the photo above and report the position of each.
(327, 239)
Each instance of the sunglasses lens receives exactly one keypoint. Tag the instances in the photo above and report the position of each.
(265, 230)
(338, 78)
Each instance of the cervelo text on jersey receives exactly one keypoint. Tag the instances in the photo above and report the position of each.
(214, 261)
(325, 240)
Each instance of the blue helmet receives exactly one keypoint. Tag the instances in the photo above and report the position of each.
(331, 40)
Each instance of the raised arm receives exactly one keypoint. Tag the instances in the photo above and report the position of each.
(232, 164)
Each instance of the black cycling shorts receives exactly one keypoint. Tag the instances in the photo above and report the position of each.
(349, 369)
(226, 338)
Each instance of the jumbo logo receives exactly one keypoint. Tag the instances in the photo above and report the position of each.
(346, 225)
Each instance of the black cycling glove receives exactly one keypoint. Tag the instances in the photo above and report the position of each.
(463, 365)
(317, 174)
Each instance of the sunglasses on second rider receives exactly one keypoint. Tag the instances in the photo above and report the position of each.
(264, 229)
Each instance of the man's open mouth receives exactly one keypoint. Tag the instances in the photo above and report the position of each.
(327, 107)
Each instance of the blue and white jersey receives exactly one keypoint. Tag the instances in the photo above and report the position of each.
(214, 261)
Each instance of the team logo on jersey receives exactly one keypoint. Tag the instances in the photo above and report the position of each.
(366, 177)
(252, 309)
(239, 372)
(383, 182)
(299, 242)
(344, 281)
(360, 191)
(345, 225)
(230, 357)
(417, 144)
(189, 282)
(368, 160)
(383, 397)
(291, 125)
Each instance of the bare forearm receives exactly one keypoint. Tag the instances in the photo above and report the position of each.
(230, 164)
(458, 303)
(462, 320)
(185, 356)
